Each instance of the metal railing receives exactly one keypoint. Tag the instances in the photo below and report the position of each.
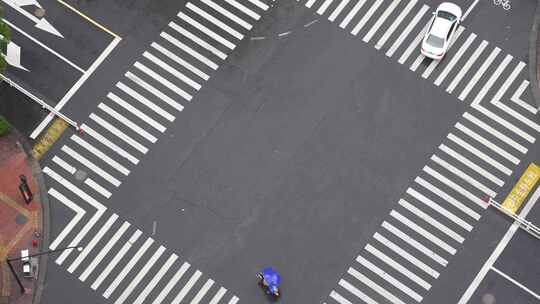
(523, 223)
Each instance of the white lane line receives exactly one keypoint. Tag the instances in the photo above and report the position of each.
(395, 24)
(338, 10)
(147, 119)
(90, 165)
(366, 17)
(100, 154)
(478, 74)
(244, 9)
(202, 292)
(88, 247)
(163, 82)
(205, 45)
(376, 287)
(516, 98)
(415, 43)
(128, 123)
(64, 165)
(449, 199)
(454, 59)
(100, 121)
(324, 6)
(189, 50)
(455, 187)
(233, 300)
(180, 61)
(215, 21)
(381, 20)
(310, 3)
(206, 30)
(190, 283)
(466, 67)
(505, 123)
(398, 267)
(227, 14)
(508, 82)
(463, 176)
(423, 232)
(172, 70)
(517, 115)
(504, 275)
(494, 76)
(259, 4)
(97, 187)
(140, 275)
(341, 300)
(388, 278)
(499, 249)
(495, 133)
(217, 297)
(177, 276)
(352, 13)
(405, 255)
(479, 154)
(152, 106)
(487, 143)
(468, 11)
(434, 63)
(417, 245)
(79, 214)
(112, 287)
(99, 257)
(430, 220)
(471, 165)
(441, 210)
(157, 277)
(112, 264)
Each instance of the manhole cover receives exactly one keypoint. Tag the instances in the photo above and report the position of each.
(20, 219)
(40, 12)
(488, 298)
(80, 175)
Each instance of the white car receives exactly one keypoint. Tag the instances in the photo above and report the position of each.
(441, 30)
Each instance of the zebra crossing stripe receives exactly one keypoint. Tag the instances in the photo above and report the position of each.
(414, 44)
(202, 292)
(114, 130)
(143, 99)
(338, 10)
(205, 45)
(492, 131)
(494, 76)
(380, 21)
(467, 66)
(157, 277)
(79, 214)
(355, 291)
(227, 14)
(83, 143)
(215, 21)
(180, 61)
(479, 74)
(163, 82)
(190, 283)
(366, 17)
(516, 98)
(189, 50)
(395, 24)
(90, 165)
(517, 115)
(64, 165)
(177, 276)
(97, 187)
(147, 119)
(324, 6)
(128, 123)
(376, 287)
(217, 297)
(508, 82)
(504, 123)
(244, 9)
(206, 30)
(260, 4)
(434, 63)
(352, 13)
(455, 59)
(310, 3)
(172, 70)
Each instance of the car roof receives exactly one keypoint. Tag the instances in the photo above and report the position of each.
(440, 27)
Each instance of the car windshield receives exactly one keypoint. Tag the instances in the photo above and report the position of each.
(446, 15)
(435, 41)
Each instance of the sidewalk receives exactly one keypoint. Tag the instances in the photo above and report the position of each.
(534, 56)
(20, 223)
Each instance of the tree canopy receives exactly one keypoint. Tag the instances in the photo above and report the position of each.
(5, 36)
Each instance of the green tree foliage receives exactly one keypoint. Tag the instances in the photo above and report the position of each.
(5, 36)
(4, 126)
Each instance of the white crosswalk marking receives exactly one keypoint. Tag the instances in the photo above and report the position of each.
(260, 4)
(380, 21)
(83, 143)
(180, 61)
(215, 21)
(310, 3)
(466, 67)
(405, 33)
(79, 214)
(492, 131)
(341, 300)
(147, 119)
(114, 130)
(505, 123)
(90, 165)
(494, 76)
(162, 81)
(128, 123)
(455, 59)
(415, 43)
(434, 63)
(338, 10)
(366, 17)
(205, 45)
(516, 98)
(143, 99)
(244, 9)
(324, 6)
(202, 292)
(227, 14)
(189, 50)
(217, 297)
(479, 74)
(234, 300)
(64, 165)
(159, 275)
(376, 287)
(194, 278)
(508, 82)
(395, 24)
(177, 276)
(352, 13)
(517, 115)
(172, 71)
(97, 187)
(206, 30)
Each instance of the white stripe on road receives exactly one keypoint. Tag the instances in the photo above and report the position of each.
(478, 74)
(90, 165)
(215, 21)
(494, 76)
(479, 154)
(472, 165)
(188, 50)
(97, 187)
(366, 17)
(260, 4)
(516, 98)
(112, 287)
(376, 287)
(206, 30)
(388, 278)
(100, 155)
(341, 300)
(180, 61)
(172, 70)
(190, 283)
(310, 3)
(205, 45)
(463, 176)
(202, 292)
(430, 220)
(380, 21)
(505, 123)
(64, 165)
(217, 297)
(395, 24)
(466, 67)
(150, 286)
(509, 278)
(79, 214)
(434, 63)
(487, 143)
(130, 141)
(233, 300)
(140, 275)
(454, 59)
(414, 44)
(405, 255)
(405, 33)
(147, 119)
(88, 247)
(455, 187)
(128, 123)
(152, 106)
(352, 13)
(244, 9)
(162, 81)
(517, 115)
(110, 266)
(508, 82)
(324, 6)
(398, 267)
(338, 10)
(227, 14)
(104, 251)
(177, 276)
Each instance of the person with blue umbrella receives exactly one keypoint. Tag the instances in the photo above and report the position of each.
(270, 280)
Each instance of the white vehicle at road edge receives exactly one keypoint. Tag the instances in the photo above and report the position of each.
(441, 30)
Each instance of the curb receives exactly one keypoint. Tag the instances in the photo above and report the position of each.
(533, 64)
(45, 217)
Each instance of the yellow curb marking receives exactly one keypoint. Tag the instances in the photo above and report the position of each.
(11, 203)
(89, 19)
(47, 139)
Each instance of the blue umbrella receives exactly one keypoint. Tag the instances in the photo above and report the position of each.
(271, 276)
